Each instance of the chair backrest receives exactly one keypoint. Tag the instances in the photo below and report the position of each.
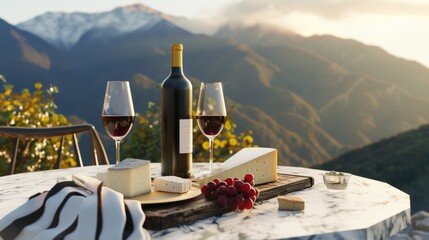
(98, 155)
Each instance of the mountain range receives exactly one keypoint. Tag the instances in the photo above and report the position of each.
(313, 98)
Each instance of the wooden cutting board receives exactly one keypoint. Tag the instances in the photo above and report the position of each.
(162, 216)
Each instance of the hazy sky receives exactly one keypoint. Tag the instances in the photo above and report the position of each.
(399, 26)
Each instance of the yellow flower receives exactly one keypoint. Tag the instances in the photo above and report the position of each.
(143, 120)
(44, 119)
(247, 141)
(55, 117)
(223, 143)
(206, 145)
(38, 85)
(7, 92)
(228, 125)
(248, 138)
(63, 120)
(216, 143)
(233, 141)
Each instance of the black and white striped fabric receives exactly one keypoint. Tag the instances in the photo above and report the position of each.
(79, 209)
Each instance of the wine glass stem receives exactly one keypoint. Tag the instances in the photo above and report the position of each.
(211, 154)
(118, 150)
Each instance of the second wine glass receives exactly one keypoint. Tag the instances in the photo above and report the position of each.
(118, 112)
(211, 113)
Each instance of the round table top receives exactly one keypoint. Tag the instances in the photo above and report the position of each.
(367, 209)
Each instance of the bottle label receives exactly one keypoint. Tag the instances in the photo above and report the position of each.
(185, 136)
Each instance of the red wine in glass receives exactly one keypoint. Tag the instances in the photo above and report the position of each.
(210, 114)
(117, 126)
(211, 126)
(118, 112)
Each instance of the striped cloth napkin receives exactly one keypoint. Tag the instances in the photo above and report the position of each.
(79, 209)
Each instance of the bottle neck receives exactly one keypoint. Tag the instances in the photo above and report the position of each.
(176, 58)
(176, 62)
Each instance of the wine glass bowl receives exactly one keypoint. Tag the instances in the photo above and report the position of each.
(118, 112)
(211, 113)
(211, 126)
(118, 126)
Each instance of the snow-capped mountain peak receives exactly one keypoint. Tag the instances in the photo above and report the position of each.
(138, 8)
(65, 29)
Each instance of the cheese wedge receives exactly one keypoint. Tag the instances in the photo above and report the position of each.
(131, 177)
(261, 162)
(172, 184)
(290, 203)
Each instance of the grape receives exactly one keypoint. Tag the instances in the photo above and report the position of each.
(208, 195)
(252, 183)
(211, 186)
(241, 207)
(237, 185)
(229, 181)
(215, 194)
(222, 183)
(248, 177)
(239, 200)
(248, 203)
(205, 190)
(231, 191)
(230, 203)
(251, 193)
(245, 188)
(222, 190)
(222, 200)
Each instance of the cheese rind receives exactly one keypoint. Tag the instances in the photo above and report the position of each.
(172, 184)
(290, 203)
(261, 162)
(131, 177)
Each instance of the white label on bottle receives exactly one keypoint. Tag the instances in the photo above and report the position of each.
(185, 136)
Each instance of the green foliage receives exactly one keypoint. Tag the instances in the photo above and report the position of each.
(32, 109)
(145, 140)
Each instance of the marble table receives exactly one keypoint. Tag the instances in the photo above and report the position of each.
(367, 209)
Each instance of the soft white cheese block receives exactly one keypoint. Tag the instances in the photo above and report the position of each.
(131, 177)
(261, 162)
(172, 184)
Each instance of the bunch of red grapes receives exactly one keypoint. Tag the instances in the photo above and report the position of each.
(232, 193)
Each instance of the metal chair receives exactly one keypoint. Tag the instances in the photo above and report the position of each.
(96, 146)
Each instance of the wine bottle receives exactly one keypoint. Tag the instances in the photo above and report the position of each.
(176, 119)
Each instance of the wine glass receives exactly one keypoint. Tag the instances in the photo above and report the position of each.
(118, 112)
(211, 113)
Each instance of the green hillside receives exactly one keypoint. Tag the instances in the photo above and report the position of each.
(402, 161)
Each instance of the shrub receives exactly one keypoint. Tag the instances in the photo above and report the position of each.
(32, 109)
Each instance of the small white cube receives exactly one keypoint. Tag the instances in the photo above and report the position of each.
(172, 184)
(131, 177)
